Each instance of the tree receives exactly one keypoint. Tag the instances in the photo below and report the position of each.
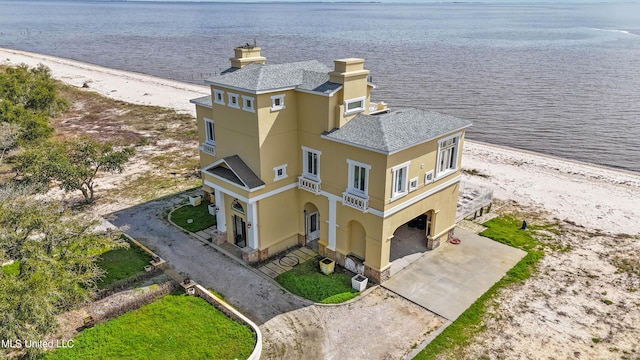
(32, 89)
(73, 164)
(57, 253)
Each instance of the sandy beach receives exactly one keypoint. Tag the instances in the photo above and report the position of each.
(596, 204)
(591, 196)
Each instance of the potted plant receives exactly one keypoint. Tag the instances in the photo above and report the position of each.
(359, 282)
(327, 266)
(212, 209)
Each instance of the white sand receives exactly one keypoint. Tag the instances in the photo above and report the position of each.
(591, 196)
(561, 311)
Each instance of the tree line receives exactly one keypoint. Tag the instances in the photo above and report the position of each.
(48, 251)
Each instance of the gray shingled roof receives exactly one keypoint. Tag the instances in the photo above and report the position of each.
(396, 130)
(260, 77)
(203, 101)
(237, 172)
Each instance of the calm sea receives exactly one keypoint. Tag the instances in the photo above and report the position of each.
(561, 79)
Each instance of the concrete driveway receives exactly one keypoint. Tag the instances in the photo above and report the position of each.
(256, 297)
(449, 279)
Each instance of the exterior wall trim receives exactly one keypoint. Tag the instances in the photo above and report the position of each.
(421, 197)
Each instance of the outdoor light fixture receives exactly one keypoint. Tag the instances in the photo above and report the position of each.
(249, 225)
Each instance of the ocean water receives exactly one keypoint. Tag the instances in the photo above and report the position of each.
(560, 79)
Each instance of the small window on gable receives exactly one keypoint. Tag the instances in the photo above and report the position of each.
(218, 97)
(233, 100)
(428, 177)
(277, 102)
(353, 106)
(280, 172)
(247, 103)
(413, 184)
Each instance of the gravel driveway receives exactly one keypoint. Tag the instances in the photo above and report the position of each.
(378, 325)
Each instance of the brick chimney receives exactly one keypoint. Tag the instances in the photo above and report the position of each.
(246, 55)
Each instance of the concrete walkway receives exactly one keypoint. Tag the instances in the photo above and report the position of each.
(256, 297)
(449, 279)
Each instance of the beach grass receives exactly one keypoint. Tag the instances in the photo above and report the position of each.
(307, 281)
(12, 269)
(174, 327)
(506, 230)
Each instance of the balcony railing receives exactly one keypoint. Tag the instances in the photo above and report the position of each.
(355, 201)
(378, 108)
(208, 148)
(309, 185)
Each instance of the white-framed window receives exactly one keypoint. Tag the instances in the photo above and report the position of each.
(358, 178)
(311, 163)
(399, 180)
(234, 100)
(247, 103)
(353, 106)
(218, 97)
(413, 184)
(277, 102)
(448, 155)
(280, 172)
(428, 177)
(209, 130)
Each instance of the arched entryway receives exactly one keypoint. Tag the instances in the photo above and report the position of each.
(411, 240)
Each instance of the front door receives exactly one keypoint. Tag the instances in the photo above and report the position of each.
(313, 226)
(239, 232)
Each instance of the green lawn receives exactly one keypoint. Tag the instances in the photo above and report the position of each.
(12, 269)
(121, 264)
(307, 281)
(174, 327)
(504, 229)
(199, 214)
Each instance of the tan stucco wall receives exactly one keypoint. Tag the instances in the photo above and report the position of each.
(278, 223)
(236, 131)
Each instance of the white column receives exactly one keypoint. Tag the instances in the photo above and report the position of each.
(332, 223)
(220, 214)
(252, 219)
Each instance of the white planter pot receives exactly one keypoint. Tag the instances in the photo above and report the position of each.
(212, 209)
(359, 282)
(195, 200)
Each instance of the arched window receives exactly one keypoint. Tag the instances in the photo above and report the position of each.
(235, 205)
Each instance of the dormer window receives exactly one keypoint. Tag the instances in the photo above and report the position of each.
(218, 97)
(233, 100)
(247, 103)
(277, 102)
(353, 106)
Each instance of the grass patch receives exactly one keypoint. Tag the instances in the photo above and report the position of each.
(199, 214)
(174, 327)
(307, 281)
(504, 229)
(12, 269)
(120, 264)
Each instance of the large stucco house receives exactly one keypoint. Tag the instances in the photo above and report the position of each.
(291, 153)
